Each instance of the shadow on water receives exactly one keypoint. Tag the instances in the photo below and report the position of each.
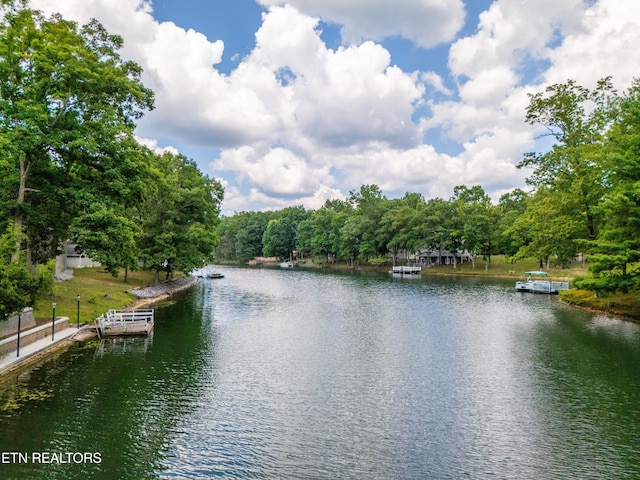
(121, 398)
(586, 375)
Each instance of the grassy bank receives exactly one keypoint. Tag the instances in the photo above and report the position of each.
(499, 267)
(99, 291)
(625, 305)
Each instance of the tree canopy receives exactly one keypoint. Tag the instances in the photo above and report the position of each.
(72, 168)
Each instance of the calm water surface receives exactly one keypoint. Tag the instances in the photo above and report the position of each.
(294, 374)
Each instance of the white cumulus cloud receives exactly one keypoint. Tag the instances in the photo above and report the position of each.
(297, 122)
(425, 22)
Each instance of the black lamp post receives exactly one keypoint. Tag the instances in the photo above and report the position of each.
(78, 299)
(53, 321)
(19, 325)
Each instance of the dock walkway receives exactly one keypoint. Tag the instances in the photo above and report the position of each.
(10, 360)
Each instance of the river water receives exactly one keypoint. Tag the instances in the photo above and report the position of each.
(306, 374)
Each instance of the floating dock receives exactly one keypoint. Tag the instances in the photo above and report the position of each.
(405, 270)
(123, 323)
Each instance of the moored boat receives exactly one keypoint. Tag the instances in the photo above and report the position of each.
(536, 282)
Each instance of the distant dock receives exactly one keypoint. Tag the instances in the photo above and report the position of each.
(123, 323)
(404, 270)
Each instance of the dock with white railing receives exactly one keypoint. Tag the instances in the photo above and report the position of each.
(406, 270)
(122, 322)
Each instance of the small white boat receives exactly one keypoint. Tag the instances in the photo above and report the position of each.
(535, 283)
(287, 264)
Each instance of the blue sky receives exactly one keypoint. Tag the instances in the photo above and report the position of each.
(294, 103)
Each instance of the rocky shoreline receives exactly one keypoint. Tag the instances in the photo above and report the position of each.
(164, 288)
(159, 291)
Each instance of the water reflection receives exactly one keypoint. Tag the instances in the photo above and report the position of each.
(293, 374)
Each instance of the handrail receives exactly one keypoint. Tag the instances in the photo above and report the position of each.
(112, 317)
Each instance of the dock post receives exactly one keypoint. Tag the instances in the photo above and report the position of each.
(19, 326)
(53, 321)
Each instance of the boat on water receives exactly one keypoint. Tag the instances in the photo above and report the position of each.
(287, 264)
(538, 282)
(205, 273)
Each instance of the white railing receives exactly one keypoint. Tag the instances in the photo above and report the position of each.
(405, 270)
(557, 286)
(126, 320)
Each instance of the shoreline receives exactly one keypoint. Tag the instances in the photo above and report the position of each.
(156, 293)
(593, 305)
(149, 295)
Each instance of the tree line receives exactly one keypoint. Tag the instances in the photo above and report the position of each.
(72, 168)
(583, 198)
(368, 227)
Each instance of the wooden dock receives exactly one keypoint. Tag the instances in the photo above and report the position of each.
(122, 323)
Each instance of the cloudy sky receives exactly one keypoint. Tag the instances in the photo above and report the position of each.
(298, 102)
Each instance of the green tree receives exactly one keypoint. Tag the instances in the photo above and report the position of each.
(433, 228)
(577, 119)
(66, 97)
(179, 219)
(351, 234)
(479, 222)
(279, 238)
(108, 238)
(551, 225)
(370, 207)
(615, 254)
(511, 206)
(326, 226)
(249, 237)
(396, 229)
(18, 286)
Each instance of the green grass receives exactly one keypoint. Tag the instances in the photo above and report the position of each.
(499, 267)
(99, 291)
(625, 305)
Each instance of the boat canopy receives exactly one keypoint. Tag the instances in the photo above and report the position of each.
(538, 273)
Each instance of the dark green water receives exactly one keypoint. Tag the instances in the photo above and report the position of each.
(293, 374)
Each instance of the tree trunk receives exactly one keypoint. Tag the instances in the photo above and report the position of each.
(19, 218)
